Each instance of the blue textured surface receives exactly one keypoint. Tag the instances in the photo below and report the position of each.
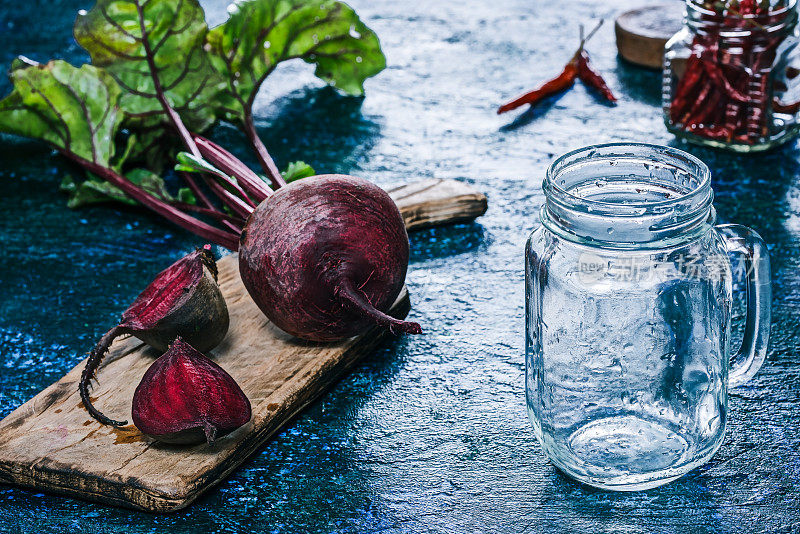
(430, 434)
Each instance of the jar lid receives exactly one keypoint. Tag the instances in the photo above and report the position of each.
(642, 33)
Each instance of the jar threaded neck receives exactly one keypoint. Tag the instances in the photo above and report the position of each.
(627, 195)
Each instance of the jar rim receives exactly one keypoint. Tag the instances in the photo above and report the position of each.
(628, 195)
(790, 5)
(702, 188)
(774, 21)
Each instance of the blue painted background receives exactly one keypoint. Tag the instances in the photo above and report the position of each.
(430, 433)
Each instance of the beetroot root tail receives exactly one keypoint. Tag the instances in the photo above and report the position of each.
(357, 302)
(92, 364)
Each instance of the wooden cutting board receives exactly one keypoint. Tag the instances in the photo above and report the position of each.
(52, 444)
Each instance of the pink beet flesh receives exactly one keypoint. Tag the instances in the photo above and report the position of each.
(325, 258)
(184, 397)
(162, 294)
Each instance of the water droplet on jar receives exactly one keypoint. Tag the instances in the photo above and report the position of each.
(315, 38)
(354, 33)
(267, 44)
(358, 59)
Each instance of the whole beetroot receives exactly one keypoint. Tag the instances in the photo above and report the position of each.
(183, 300)
(325, 257)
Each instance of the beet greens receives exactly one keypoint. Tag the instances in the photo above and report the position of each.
(260, 35)
(163, 77)
(158, 69)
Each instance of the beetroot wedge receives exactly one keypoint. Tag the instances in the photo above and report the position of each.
(186, 398)
(184, 300)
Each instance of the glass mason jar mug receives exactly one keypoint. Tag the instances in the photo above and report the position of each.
(628, 311)
(731, 75)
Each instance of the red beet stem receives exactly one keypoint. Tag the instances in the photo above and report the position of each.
(161, 96)
(234, 202)
(267, 163)
(232, 185)
(224, 195)
(357, 301)
(234, 223)
(227, 162)
(223, 238)
(89, 372)
(198, 193)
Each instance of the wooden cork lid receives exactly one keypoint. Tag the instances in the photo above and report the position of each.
(642, 33)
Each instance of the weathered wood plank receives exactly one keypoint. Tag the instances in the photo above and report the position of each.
(446, 201)
(51, 443)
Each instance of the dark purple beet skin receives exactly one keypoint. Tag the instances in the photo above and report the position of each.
(325, 258)
(183, 300)
(185, 398)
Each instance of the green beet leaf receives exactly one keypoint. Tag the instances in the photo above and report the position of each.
(74, 109)
(94, 190)
(297, 170)
(91, 191)
(154, 49)
(259, 34)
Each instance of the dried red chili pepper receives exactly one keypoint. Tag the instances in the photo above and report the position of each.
(563, 81)
(780, 107)
(577, 67)
(592, 78)
(718, 78)
(689, 84)
(747, 7)
(703, 107)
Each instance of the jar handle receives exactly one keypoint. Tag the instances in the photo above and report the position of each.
(748, 360)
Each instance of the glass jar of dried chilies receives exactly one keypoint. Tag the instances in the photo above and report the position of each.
(732, 74)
